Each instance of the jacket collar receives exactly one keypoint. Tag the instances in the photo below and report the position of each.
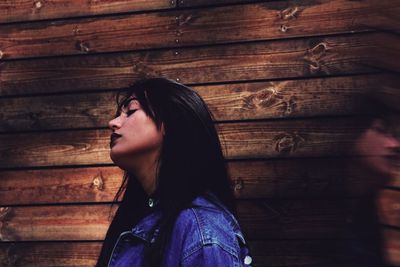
(144, 229)
(147, 229)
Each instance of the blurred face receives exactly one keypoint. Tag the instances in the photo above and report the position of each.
(135, 136)
(378, 148)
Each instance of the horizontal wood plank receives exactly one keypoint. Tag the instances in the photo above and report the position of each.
(264, 253)
(50, 254)
(250, 180)
(228, 102)
(82, 36)
(294, 138)
(250, 22)
(25, 10)
(253, 61)
(277, 253)
(66, 185)
(259, 219)
(197, 3)
(281, 19)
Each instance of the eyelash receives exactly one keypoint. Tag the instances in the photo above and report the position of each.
(130, 112)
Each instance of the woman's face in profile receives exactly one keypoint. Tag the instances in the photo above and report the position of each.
(378, 148)
(135, 136)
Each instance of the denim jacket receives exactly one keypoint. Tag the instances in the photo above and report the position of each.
(204, 235)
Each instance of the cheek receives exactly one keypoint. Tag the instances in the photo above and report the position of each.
(369, 144)
(140, 137)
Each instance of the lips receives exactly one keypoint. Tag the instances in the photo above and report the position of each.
(114, 137)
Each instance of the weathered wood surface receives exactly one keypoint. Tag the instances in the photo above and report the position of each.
(50, 254)
(264, 253)
(277, 253)
(271, 20)
(250, 180)
(193, 3)
(260, 219)
(228, 102)
(318, 56)
(26, 10)
(270, 139)
(388, 52)
(65, 185)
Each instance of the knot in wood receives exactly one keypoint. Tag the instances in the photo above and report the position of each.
(319, 49)
(290, 106)
(287, 143)
(283, 28)
(3, 212)
(38, 5)
(238, 184)
(184, 19)
(289, 13)
(75, 30)
(84, 47)
(98, 182)
(314, 67)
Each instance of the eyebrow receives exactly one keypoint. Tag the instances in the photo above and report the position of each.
(128, 101)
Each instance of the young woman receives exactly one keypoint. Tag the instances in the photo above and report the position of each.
(178, 209)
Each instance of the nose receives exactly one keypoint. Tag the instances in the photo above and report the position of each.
(114, 124)
(392, 142)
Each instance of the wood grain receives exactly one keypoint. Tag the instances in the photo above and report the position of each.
(25, 10)
(50, 254)
(82, 36)
(259, 219)
(264, 253)
(241, 101)
(64, 185)
(319, 56)
(295, 138)
(250, 180)
(271, 20)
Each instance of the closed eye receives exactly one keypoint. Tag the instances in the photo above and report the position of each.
(130, 112)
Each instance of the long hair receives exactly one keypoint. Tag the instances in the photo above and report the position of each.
(191, 162)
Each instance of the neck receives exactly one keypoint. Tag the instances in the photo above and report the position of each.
(146, 172)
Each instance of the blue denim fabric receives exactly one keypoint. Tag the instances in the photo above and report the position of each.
(205, 235)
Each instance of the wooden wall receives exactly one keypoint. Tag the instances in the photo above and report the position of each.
(281, 77)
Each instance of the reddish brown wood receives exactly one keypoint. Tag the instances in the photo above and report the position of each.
(241, 101)
(295, 138)
(79, 254)
(262, 219)
(252, 61)
(26, 10)
(271, 20)
(250, 180)
(82, 36)
(264, 253)
(66, 185)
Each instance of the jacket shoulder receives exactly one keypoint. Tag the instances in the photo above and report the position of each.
(207, 224)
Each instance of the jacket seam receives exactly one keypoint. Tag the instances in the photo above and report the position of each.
(232, 253)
